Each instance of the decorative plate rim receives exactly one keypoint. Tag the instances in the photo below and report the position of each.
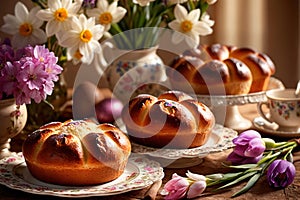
(139, 173)
(242, 99)
(225, 142)
(272, 132)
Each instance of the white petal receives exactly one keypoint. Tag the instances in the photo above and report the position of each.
(177, 37)
(40, 36)
(97, 32)
(180, 12)
(76, 24)
(202, 28)
(175, 25)
(87, 53)
(66, 4)
(45, 15)
(36, 22)
(52, 27)
(194, 15)
(54, 4)
(192, 40)
(196, 177)
(70, 39)
(118, 14)
(102, 5)
(11, 25)
(21, 11)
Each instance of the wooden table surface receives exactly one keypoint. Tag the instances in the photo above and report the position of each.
(211, 164)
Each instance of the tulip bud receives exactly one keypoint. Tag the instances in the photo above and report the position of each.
(269, 143)
(281, 173)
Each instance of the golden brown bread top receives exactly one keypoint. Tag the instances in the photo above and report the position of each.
(169, 113)
(78, 143)
(213, 71)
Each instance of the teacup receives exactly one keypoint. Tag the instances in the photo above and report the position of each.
(284, 109)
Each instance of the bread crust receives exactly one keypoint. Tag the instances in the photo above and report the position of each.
(172, 120)
(76, 152)
(221, 70)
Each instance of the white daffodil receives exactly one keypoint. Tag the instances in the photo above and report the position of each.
(206, 18)
(58, 15)
(142, 2)
(188, 24)
(106, 14)
(82, 39)
(24, 27)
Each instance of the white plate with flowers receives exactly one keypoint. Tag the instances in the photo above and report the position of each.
(139, 173)
(220, 140)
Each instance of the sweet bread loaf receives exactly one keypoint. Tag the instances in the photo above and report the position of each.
(261, 67)
(221, 69)
(76, 153)
(171, 120)
(217, 77)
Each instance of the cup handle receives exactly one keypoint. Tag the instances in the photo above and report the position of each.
(261, 112)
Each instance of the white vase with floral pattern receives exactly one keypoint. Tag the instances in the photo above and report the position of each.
(12, 121)
(135, 72)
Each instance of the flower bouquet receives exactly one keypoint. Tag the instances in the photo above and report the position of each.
(251, 158)
(28, 73)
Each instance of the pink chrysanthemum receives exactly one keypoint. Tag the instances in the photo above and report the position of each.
(31, 76)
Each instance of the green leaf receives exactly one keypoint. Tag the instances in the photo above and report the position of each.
(245, 166)
(249, 185)
(226, 177)
(245, 176)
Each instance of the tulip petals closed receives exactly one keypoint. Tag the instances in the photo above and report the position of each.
(281, 173)
(176, 187)
(196, 189)
(249, 148)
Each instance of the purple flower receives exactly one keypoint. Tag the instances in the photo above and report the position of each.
(236, 159)
(89, 3)
(30, 76)
(176, 187)
(198, 185)
(249, 146)
(8, 80)
(281, 173)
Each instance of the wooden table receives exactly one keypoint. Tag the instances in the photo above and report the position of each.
(211, 164)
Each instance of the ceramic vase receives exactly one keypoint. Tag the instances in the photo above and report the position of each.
(135, 72)
(12, 121)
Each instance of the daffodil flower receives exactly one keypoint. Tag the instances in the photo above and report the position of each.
(106, 14)
(82, 39)
(188, 24)
(58, 15)
(24, 27)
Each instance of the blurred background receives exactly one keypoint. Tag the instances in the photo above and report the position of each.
(269, 26)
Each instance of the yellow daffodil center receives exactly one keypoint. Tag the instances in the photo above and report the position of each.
(105, 18)
(86, 36)
(77, 55)
(61, 14)
(186, 26)
(25, 29)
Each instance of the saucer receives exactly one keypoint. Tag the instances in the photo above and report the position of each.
(269, 129)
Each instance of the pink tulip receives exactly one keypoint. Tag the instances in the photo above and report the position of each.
(176, 187)
(196, 189)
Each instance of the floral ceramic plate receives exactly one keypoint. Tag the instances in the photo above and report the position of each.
(220, 139)
(139, 173)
